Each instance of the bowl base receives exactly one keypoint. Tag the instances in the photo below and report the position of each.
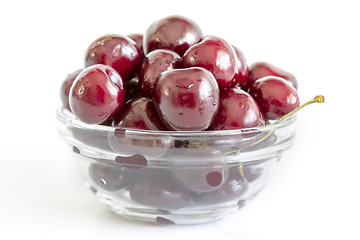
(183, 216)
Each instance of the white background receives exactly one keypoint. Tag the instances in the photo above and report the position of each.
(314, 192)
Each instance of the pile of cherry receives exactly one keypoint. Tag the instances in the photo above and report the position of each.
(174, 78)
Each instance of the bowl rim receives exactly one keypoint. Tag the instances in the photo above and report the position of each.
(65, 116)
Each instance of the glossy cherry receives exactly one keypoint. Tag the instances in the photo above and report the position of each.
(97, 94)
(241, 75)
(237, 109)
(65, 88)
(139, 113)
(119, 52)
(262, 69)
(275, 96)
(215, 55)
(186, 99)
(234, 187)
(138, 39)
(156, 62)
(153, 187)
(176, 33)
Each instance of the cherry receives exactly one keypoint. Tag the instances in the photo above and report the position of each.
(138, 39)
(138, 113)
(65, 88)
(119, 52)
(154, 187)
(132, 89)
(176, 33)
(156, 62)
(234, 187)
(275, 96)
(263, 139)
(241, 76)
(186, 99)
(237, 109)
(262, 69)
(97, 94)
(110, 176)
(215, 55)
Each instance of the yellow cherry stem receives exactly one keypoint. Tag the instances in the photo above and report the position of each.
(317, 99)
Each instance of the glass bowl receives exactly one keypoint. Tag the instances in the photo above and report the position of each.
(175, 177)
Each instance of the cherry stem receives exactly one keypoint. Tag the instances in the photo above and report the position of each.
(317, 99)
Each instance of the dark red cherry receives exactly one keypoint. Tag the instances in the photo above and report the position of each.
(97, 94)
(237, 109)
(138, 39)
(186, 99)
(241, 76)
(65, 88)
(110, 176)
(215, 55)
(234, 187)
(156, 62)
(176, 33)
(119, 52)
(138, 113)
(275, 96)
(132, 89)
(262, 69)
(154, 187)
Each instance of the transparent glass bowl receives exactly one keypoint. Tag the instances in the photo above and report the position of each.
(175, 177)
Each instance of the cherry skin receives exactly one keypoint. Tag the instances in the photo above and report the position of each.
(138, 39)
(156, 62)
(175, 33)
(119, 52)
(262, 69)
(97, 94)
(241, 76)
(237, 110)
(138, 113)
(110, 176)
(234, 187)
(132, 89)
(186, 99)
(154, 187)
(215, 55)
(275, 96)
(65, 88)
